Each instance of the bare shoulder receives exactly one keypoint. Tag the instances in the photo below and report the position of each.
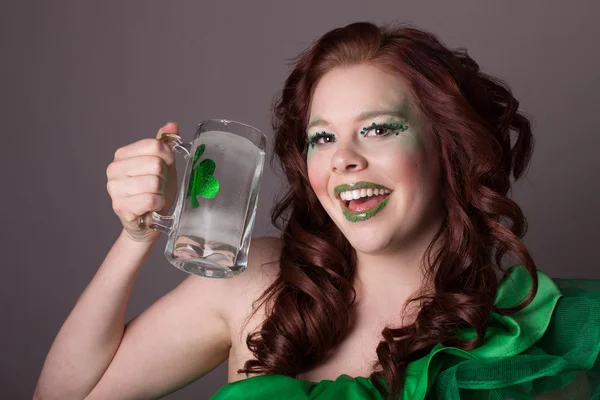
(262, 269)
(263, 260)
(244, 313)
(235, 297)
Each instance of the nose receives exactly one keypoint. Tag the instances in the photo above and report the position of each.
(347, 159)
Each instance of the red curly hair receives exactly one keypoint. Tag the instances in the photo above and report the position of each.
(481, 140)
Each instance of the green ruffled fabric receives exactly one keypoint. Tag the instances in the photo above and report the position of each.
(547, 351)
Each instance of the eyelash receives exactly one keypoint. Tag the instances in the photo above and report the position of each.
(313, 140)
(391, 127)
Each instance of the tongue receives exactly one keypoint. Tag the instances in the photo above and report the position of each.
(364, 203)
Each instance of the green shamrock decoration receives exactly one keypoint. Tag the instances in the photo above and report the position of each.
(202, 182)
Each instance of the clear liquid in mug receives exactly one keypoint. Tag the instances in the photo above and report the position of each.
(213, 239)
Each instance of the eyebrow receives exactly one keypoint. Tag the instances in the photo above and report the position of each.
(361, 117)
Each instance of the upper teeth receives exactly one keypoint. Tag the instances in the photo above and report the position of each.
(358, 193)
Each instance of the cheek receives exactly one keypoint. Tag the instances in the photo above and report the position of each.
(410, 169)
(406, 171)
(317, 177)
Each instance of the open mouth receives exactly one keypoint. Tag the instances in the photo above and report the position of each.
(362, 200)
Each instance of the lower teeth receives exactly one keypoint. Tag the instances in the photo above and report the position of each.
(364, 199)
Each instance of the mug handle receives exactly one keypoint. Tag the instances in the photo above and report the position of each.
(152, 219)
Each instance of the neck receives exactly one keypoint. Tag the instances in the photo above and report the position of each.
(389, 278)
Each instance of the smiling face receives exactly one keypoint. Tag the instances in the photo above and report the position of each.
(366, 140)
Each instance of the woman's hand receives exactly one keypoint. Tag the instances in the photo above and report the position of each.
(143, 178)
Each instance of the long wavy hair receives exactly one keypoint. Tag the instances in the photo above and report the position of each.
(481, 140)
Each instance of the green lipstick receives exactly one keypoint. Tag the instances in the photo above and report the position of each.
(359, 216)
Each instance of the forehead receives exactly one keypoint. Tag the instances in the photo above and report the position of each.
(345, 92)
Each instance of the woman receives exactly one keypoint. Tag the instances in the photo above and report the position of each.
(391, 279)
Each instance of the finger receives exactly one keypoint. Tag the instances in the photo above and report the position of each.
(135, 185)
(170, 127)
(146, 147)
(130, 208)
(142, 165)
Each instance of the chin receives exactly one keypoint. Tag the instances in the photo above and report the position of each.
(368, 239)
(372, 247)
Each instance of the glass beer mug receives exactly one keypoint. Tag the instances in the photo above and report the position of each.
(210, 229)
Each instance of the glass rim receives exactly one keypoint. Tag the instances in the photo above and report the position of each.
(225, 122)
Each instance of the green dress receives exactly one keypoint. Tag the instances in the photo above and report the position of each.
(549, 350)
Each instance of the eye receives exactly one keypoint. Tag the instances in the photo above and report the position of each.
(321, 138)
(380, 131)
(383, 129)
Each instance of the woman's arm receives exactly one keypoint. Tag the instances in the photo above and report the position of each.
(178, 339)
(89, 338)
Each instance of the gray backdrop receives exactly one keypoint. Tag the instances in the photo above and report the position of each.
(80, 79)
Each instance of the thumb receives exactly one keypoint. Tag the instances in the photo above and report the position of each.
(169, 127)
